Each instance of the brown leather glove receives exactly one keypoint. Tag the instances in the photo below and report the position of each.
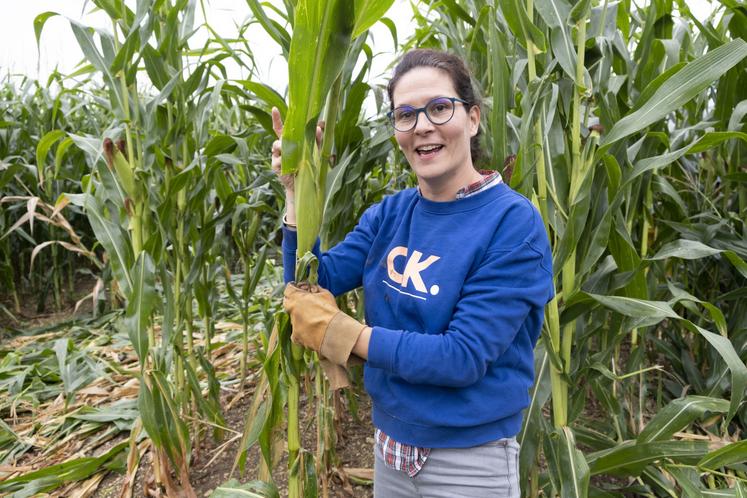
(319, 324)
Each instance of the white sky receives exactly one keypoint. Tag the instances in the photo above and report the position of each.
(18, 51)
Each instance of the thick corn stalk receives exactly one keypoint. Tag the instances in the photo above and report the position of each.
(322, 36)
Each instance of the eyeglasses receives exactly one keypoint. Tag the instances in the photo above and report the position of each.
(438, 111)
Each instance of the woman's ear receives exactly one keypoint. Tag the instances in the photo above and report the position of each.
(474, 120)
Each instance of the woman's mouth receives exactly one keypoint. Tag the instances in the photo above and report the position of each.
(426, 151)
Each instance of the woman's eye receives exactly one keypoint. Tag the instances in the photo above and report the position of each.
(439, 107)
(404, 114)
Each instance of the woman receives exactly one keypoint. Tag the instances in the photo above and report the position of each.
(456, 273)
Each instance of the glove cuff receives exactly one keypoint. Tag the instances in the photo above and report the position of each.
(342, 334)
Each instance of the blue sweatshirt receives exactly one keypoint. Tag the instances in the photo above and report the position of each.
(455, 293)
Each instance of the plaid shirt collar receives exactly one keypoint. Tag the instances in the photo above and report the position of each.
(489, 179)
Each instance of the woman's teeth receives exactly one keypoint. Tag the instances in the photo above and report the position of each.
(428, 149)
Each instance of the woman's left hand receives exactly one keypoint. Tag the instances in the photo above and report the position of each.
(319, 324)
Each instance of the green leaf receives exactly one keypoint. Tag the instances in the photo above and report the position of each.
(88, 46)
(737, 367)
(273, 29)
(39, 22)
(714, 138)
(49, 478)
(685, 249)
(367, 12)
(693, 249)
(111, 237)
(630, 458)
(680, 88)
(723, 457)
(498, 68)
(555, 13)
(207, 406)
(637, 308)
(687, 479)
(531, 430)
(522, 27)
(569, 463)
(679, 414)
(60, 155)
(266, 94)
(140, 304)
(580, 11)
(320, 41)
(42, 149)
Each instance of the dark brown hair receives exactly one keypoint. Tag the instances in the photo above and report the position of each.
(457, 70)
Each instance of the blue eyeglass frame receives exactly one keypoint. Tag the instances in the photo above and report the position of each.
(418, 110)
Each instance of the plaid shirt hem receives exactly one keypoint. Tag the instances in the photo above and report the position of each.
(404, 457)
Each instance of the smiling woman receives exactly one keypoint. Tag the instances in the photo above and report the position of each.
(456, 274)
(440, 152)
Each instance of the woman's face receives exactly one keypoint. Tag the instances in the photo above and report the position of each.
(438, 154)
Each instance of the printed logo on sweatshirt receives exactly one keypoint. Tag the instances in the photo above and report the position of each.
(411, 277)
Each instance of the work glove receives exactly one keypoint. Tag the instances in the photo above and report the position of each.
(318, 324)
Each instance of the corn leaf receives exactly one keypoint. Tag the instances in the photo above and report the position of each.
(320, 41)
(693, 249)
(738, 369)
(569, 464)
(321, 38)
(111, 237)
(140, 304)
(680, 88)
(679, 414)
(42, 149)
(734, 453)
(555, 13)
(630, 458)
(367, 12)
(522, 27)
(51, 477)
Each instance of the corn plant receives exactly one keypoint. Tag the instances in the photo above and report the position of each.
(317, 51)
(37, 165)
(159, 205)
(606, 114)
(623, 123)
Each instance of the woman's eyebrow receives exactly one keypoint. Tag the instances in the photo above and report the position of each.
(426, 102)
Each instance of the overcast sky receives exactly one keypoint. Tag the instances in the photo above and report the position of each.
(18, 50)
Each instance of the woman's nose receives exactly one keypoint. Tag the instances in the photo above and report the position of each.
(423, 124)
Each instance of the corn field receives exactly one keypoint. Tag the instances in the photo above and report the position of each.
(139, 215)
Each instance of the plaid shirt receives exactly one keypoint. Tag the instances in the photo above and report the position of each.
(404, 457)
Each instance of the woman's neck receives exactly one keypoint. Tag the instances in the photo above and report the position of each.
(444, 190)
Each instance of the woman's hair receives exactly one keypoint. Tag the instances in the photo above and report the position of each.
(457, 70)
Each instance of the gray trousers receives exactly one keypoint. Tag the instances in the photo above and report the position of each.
(490, 470)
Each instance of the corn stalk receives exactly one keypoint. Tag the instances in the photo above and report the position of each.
(591, 126)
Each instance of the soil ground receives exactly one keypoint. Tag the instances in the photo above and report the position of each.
(213, 462)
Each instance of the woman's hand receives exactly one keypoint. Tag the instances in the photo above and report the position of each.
(288, 181)
(319, 324)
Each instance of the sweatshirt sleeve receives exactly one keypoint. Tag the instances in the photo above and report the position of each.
(289, 246)
(496, 301)
(340, 268)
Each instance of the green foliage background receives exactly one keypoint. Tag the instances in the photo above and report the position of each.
(623, 123)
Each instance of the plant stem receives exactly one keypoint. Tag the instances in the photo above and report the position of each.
(559, 385)
(294, 438)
